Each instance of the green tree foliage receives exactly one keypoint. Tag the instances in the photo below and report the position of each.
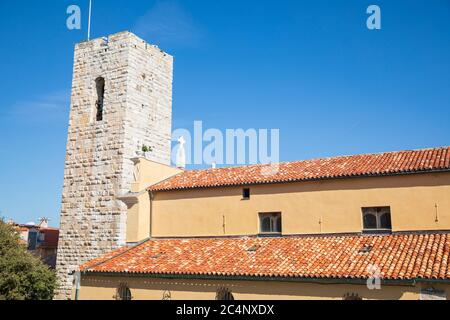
(22, 275)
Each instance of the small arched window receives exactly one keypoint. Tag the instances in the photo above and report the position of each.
(352, 296)
(100, 87)
(377, 219)
(270, 223)
(224, 294)
(123, 293)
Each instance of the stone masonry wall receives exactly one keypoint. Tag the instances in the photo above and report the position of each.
(137, 111)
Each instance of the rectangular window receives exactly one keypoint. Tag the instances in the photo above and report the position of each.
(377, 219)
(32, 240)
(270, 223)
(246, 194)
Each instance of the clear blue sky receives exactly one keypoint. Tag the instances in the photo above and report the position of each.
(310, 68)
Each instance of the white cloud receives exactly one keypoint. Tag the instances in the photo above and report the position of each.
(168, 23)
(47, 107)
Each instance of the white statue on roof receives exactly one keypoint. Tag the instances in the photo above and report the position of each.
(181, 153)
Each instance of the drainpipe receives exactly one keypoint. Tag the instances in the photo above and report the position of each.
(151, 195)
(77, 284)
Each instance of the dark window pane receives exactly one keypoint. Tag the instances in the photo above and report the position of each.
(278, 224)
(385, 221)
(246, 194)
(265, 224)
(370, 221)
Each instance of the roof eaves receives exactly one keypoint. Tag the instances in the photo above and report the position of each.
(191, 276)
(115, 256)
(337, 177)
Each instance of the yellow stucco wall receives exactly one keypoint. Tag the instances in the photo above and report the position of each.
(327, 206)
(138, 219)
(104, 288)
(146, 173)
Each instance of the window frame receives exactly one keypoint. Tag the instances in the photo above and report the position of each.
(274, 216)
(33, 236)
(378, 212)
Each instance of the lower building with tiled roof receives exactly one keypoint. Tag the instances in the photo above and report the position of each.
(355, 227)
(406, 258)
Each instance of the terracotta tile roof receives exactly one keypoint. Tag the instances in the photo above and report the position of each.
(104, 258)
(401, 162)
(401, 256)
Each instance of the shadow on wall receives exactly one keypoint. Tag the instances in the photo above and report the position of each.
(364, 183)
(158, 289)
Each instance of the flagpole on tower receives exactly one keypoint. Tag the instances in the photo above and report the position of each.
(89, 23)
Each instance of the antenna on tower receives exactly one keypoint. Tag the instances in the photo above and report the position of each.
(89, 23)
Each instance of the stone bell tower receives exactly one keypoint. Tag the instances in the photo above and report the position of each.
(121, 100)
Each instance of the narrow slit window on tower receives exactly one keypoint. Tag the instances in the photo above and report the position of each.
(100, 86)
